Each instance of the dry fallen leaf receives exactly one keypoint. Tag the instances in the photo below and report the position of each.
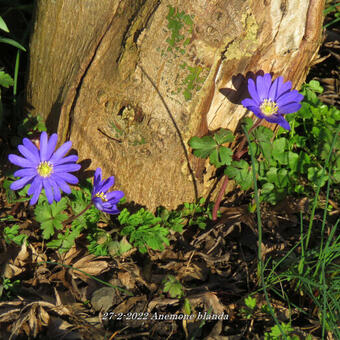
(91, 265)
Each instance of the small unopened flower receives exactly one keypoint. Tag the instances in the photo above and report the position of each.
(101, 198)
(271, 100)
(44, 169)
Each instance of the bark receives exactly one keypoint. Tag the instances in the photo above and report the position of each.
(129, 82)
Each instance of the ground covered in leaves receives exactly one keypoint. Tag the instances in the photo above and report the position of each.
(159, 295)
(203, 285)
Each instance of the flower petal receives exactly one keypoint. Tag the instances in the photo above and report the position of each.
(66, 177)
(52, 143)
(282, 122)
(60, 153)
(97, 201)
(35, 189)
(26, 172)
(48, 191)
(295, 96)
(284, 87)
(263, 85)
(113, 210)
(108, 184)
(274, 89)
(97, 177)
(36, 193)
(115, 196)
(29, 155)
(278, 119)
(67, 159)
(249, 102)
(289, 97)
(257, 112)
(253, 92)
(31, 147)
(62, 184)
(36, 184)
(20, 161)
(20, 183)
(289, 108)
(69, 167)
(43, 146)
(56, 190)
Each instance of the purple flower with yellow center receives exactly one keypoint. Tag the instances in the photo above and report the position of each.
(101, 198)
(271, 100)
(44, 168)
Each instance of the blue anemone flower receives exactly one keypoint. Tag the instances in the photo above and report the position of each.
(101, 198)
(44, 168)
(271, 100)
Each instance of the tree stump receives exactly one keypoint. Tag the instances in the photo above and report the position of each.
(130, 81)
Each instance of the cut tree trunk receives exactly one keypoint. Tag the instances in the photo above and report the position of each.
(129, 82)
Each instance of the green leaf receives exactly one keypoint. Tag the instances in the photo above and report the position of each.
(173, 287)
(272, 175)
(276, 333)
(54, 244)
(172, 220)
(248, 123)
(221, 156)
(143, 229)
(250, 302)
(202, 146)
(11, 234)
(124, 246)
(315, 176)
(300, 189)
(315, 86)
(223, 136)
(12, 42)
(305, 111)
(256, 148)
(226, 155)
(279, 147)
(3, 25)
(116, 248)
(303, 163)
(187, 306)
(282, 178)
(298, 141)
(293, 160)
(213, 158)
(268, 194)
(266, 149)
(207, 147)
(50, 216)
(336, 176)
(262, 134)
(6, 80)
(312, 98)
(241, 172)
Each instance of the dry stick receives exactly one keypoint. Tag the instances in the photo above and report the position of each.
(236, 157)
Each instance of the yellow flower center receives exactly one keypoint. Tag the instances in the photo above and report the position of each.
(102, 196)
(45, 169)
(268, 107)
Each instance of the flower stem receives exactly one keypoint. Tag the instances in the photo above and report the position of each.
(219, 198)
(72, 218)
(240, 151)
